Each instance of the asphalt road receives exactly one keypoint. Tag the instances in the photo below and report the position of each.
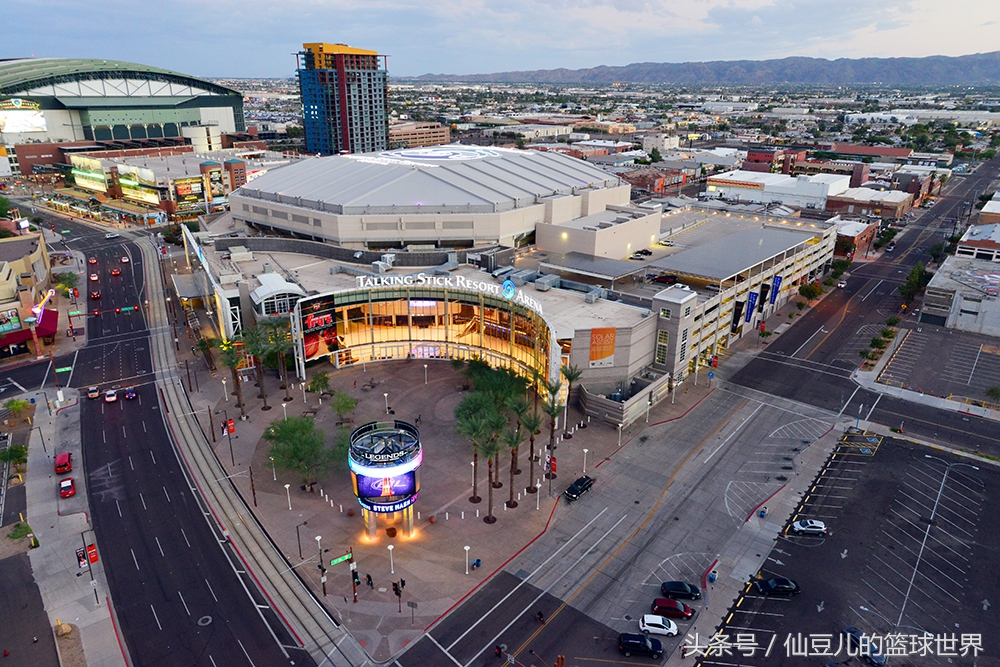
(176, 586)
(812, 362)
(26, 619)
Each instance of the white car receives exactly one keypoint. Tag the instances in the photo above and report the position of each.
(809, 527)
(111, 235)
(651, 624)
(110, 396)
(842, 283)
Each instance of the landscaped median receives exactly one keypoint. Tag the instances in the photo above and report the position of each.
(879, 344)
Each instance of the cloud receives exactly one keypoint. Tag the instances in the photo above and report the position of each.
(259, 38)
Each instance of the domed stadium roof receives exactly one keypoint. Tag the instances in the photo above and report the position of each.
(26, 76)
(435, 179)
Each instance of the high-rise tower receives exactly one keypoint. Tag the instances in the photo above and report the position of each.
(345, 103)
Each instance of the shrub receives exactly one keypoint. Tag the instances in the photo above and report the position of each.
(878, 343)
(800, 305)
(892, 321)
(887, 333)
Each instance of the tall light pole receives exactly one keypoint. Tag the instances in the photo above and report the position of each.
(289, 494)
(322, 568)
(392, 569)
(585, 461)
(284, 410)
(225, 390)
(620, 434)
(274, 471)
(425, 373)
(386, 395)
(466, 558)
(538, 495)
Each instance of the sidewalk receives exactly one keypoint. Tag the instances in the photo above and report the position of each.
(73, 595)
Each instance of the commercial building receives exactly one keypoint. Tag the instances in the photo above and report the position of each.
(661, 142)
(529, 131)
(28, 316)
(963, 295)
(417, 135)
(654, 180)
(439, 196)
(855, 237)
(766, 188)
(981, 242)
(77, 99)
(345, 102)
(886, 204)
(773, 160)
(990, 213)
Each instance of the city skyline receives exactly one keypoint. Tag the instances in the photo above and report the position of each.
(452, 37)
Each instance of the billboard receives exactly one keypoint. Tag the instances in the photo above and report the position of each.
(319, 327)
(21, 120)
(602, 347)
(385, 487)
(189, 192)
(9, 321)
(215, 183)
(138, 183)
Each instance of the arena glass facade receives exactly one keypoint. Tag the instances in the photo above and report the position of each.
(366, 325)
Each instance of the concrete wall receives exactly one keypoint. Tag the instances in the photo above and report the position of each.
(617, 241)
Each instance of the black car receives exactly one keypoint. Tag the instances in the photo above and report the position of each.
(629, 643)
(860, 644)
(777, 586)
(578, 488)
(645, 251)
(680, 590)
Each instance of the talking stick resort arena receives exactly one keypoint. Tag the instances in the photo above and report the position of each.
(525, 259)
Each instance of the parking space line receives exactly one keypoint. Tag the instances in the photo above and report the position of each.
(740, 627)
(887, 582)
(917, 502)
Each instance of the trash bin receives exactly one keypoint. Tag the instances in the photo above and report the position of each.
(712, 576)
(763, 512)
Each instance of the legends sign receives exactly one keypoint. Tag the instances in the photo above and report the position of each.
(505, 291)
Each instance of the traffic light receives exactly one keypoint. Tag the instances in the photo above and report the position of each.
(76, 293)
(231, 426)
(402, 583)
(560, 661)
(395, 589)
(357, 579)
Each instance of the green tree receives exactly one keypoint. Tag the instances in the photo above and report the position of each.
(319, 383)
(66, 281)
(16, 406)
(4, 207)
(343, 404)
(572, 374)
(531, 423)
(257, 345)
(490, 449)
(15, 455)
(511, 439)
(654, 155)
(520, 407)
(297, 446)
(205, 346)
(231, 356)
(810, 291)
(552, 407)
(993, 393)
(279, 333)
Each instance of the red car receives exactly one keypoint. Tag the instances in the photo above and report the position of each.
(116, 271)
(671, 608)
(92, 260)
(67, 488)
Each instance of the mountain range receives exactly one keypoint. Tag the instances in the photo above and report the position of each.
(979, 68)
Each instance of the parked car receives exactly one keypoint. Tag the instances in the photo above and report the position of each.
(666, 279)
(629, 644)
(667, 243)
(777, 586)
(890, 247)
(652, 624)
(861, 645)
(671, 608)
(637, 255)
(67, 488)
(809, 527)
(680, 589)
(578, 488)
(645, 251)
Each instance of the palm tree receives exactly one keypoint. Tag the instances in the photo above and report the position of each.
(490, 448)
(531, 423)
(552, 407)
(510, 439)
(231, 356)
(572, 374)
(205, 346)
(279, 332)
(520, 407)
(258, 346)
(474, 429)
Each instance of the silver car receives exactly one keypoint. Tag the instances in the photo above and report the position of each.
(651, 624)
(809, 527)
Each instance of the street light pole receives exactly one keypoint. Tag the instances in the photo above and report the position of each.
(386, 395)
(620, 435)
(284, 410)
(289, 494)
(225, 390)
(425, 373)
(229, 436)
(392, 569)
(322, 568)
(274, 471)
(585, 461)
(466, 558)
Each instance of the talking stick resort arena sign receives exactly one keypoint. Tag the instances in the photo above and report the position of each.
(507, 290)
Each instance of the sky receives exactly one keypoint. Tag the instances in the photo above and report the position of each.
(254, 38)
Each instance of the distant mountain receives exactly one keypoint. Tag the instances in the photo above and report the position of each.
(980, 68)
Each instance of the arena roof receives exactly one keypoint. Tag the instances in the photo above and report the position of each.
(435, 179)
(19, 75)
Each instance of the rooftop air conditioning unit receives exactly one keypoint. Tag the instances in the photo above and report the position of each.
(267, 267)
(389, 258)
(380, 268)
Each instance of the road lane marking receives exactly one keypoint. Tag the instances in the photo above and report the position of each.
(159, 547)
(807, 342)
(844, 406)
(166, 494)
(245, 653)
(735, 431)
(526, 579)
(134, 560)
(211, 591)
(143, 502)
(184, 603)
(873, 290)
(443, 650)
(11, 380)
(155, 617)
(185, 538)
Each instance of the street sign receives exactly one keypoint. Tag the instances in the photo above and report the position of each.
(75, 312)
(81, 558)
(340, 559)
(92, 552)
(64, 369)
